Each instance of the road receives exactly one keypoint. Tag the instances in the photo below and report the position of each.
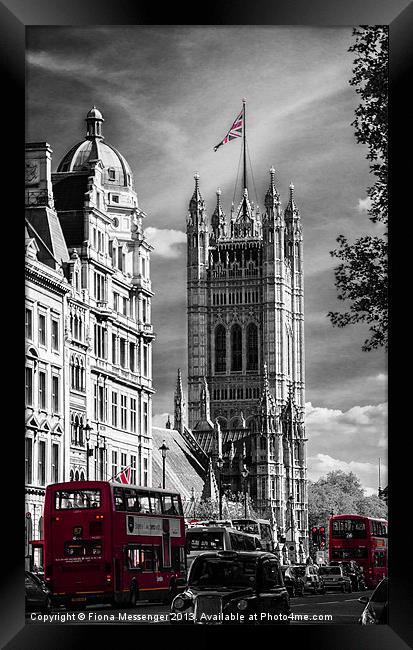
(324, 609)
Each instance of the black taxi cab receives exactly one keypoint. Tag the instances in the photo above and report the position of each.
(230, 587)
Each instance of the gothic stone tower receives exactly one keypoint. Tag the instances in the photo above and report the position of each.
(246, 342)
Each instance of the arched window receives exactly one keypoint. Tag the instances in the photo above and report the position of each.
(236, 348)
(82, 475)
(76, 475)
(252, 347)
(71, 475)
(76, 430)
(220, 349)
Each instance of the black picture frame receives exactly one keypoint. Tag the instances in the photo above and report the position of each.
(15, 16)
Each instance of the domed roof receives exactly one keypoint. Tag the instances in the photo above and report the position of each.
(94, 112)
(117, 170)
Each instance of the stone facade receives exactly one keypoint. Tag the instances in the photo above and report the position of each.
(246, 352)
(88, 275)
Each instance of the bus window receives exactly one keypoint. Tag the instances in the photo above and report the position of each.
(169, 505)
(145, 507)
(349, 528)
(266, 532)
(178, 558)
(132, 501)
(145, 558)
(78, 499)
(156, 504)
(118, 497)
(205, 541)
(379, 559)
(177, 504)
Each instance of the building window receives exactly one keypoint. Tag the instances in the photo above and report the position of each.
(115, 198)
(122, 461)
(133, 414)
(220, 349)
(145, 359)
(102, 403)
(114, 463)
(29, 324)
(123, 411)
(252, 347)
(55, 463)
(116, 301)
(55, 335)
(99, 286)
(41, 463)
(42, 390)
(122, 352)
(145, 472)
(114, 409)
(111, 174)
(55, 394)
(145, 418)
(100, 340)
(29, 386)
(132, 357)
(144, 267)
(29, 461)
(236, 348)
(125, 306)
(133, 470)
(114, 354)
(42, 329)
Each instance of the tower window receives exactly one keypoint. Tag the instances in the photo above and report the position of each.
(252, 347)
(220, 349)
(111, 174)
(236, 348)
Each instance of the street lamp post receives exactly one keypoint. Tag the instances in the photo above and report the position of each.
(163, 449)
(193, 501)
(220, 463)
(87, 429)
(245, 473)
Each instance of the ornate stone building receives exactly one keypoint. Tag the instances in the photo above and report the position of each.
(88, 320)
(246, 353)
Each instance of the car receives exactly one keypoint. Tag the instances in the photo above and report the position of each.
(375, 611)
(233, 587)
(354, 572)
(336, 578)
(293, 581)
(313, 581)
(37, 595)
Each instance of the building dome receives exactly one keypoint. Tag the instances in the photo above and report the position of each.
(116, 169)
(95, 113)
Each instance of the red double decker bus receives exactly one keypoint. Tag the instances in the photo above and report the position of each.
(362, 539)
(109, 543)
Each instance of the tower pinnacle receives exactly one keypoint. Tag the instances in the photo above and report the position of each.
(94, 120)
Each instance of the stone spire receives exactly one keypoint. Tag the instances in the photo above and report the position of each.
(291, 211)
(272, 198)
(218, 218)
(179, 400)
(205, 401)
(267, 406)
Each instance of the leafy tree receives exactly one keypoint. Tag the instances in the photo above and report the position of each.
(341, 493)
(361, 278)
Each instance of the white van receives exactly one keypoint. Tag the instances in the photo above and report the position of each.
(217, 538)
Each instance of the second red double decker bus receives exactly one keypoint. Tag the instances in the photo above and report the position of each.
(109, 543)
(362, 539)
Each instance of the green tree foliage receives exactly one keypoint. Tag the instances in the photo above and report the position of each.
(341, 493)
(361, 278)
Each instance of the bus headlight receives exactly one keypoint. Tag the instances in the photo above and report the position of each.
(242, 605)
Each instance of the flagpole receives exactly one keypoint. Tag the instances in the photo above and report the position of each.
(245, 148)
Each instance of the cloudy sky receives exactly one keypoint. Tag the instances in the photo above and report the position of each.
(168, 95)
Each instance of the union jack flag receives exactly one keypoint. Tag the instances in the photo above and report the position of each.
(234, 132)
(124, 476)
